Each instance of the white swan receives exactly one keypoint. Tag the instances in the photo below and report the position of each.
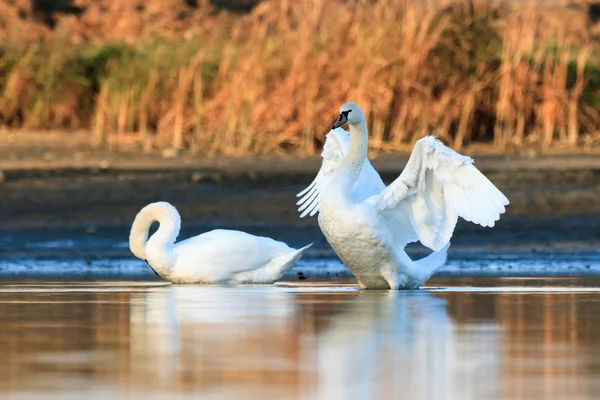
(217, 256)
(368, 224)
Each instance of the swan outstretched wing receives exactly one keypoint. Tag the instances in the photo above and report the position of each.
(337, 143)
(437, 186)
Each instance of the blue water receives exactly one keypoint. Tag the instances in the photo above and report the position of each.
(80, 254)
(483, 266)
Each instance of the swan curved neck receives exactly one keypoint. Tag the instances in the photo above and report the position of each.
(157, 250)
(357, 153)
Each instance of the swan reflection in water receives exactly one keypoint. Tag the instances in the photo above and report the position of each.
(311, 342)
(405, 345)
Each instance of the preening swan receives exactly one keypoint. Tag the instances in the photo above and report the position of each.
(368, 224)
(212, 257)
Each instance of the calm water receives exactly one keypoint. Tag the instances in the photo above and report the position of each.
(458, 338)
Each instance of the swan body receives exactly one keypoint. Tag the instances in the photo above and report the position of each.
(217, 256)
(368, 224)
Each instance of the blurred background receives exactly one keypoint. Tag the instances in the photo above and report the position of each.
(239, 77)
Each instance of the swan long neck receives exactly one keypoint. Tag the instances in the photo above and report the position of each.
(157, 250)
(357, 153)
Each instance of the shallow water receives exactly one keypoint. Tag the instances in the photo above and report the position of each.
(458, 338)
(60, 254)
(478, 265)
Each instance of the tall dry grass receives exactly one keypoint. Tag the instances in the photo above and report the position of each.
(272, 82)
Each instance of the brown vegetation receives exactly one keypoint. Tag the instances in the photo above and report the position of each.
(179, 74)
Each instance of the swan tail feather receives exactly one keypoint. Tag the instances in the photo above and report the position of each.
(274, 269)
(427, 266)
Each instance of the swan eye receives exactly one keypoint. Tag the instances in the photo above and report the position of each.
(343, 116)
(342, 119)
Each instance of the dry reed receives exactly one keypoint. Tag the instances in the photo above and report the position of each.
(463, 70)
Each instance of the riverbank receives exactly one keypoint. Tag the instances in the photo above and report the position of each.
(61, 189)
(59, 177)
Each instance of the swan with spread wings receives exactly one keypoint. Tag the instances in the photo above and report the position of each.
(369, 224)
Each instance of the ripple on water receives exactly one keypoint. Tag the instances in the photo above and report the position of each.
(584, 264)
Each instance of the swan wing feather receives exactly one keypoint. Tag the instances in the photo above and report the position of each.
(337, 143)
(437, 186)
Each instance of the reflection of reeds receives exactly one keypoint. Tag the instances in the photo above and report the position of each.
(465, 71)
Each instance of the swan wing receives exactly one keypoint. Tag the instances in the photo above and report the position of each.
(337, 143)
(228, 251)
(437, 186)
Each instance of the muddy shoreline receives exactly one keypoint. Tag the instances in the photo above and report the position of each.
(61, 191)
(73, 223)
(258, 188)
(550, 208)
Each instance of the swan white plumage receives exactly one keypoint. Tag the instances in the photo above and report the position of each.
(368, 224)
(217, 256)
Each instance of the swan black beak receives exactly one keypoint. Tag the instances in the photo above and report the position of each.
(342, 119)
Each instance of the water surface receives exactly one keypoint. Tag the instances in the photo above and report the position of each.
(458, 338)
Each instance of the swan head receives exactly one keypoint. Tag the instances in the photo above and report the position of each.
(351, 114)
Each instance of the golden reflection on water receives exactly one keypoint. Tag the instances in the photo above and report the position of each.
(93, 340)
